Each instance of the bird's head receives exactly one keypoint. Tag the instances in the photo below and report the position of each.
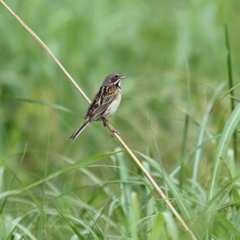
(114, 79)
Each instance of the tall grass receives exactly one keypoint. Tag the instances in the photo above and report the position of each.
(52, 188)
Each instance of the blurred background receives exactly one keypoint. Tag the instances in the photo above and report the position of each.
(174, 53)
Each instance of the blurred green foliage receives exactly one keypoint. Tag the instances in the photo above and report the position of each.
(173, 52)
(160, 45)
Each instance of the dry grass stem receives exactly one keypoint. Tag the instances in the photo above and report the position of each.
(47, 49)
(163, 196)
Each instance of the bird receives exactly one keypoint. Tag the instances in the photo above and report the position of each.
(104, 104)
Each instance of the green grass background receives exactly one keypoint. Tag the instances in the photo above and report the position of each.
(175, 55)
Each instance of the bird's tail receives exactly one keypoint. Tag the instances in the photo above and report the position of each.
(79, 130)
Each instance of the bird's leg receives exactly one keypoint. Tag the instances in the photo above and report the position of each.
(113, 130)
(105, 121)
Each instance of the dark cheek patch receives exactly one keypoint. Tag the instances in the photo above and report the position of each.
(113, 80)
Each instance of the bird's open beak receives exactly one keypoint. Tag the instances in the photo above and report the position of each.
(123, 76)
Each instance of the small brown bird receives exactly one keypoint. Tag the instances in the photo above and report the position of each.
(105, 103)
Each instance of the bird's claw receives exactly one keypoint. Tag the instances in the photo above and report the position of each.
(114, 131)
(105, 122)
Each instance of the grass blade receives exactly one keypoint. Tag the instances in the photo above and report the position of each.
(222, 147)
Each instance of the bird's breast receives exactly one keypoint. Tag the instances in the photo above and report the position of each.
(112, 108)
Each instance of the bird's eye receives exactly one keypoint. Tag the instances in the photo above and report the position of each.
(116, 76)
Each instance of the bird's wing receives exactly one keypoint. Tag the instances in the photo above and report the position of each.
(105, 96)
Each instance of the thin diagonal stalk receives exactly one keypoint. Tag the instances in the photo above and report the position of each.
(47, 49)
(158, 189)
(108, 125)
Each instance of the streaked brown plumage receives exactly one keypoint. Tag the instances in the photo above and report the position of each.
(105, 103)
